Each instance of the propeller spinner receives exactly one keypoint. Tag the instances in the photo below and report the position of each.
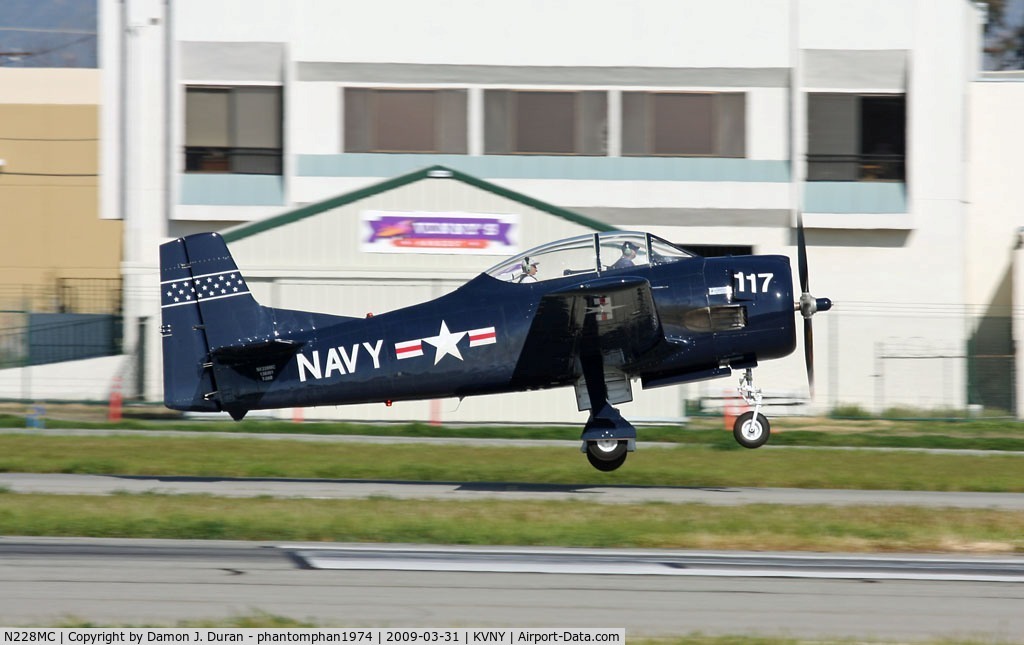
(808, 305)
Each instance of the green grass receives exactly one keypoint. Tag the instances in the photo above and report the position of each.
(491, 522)
(676, 466)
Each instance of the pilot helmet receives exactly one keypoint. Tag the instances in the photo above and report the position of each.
(628, 247)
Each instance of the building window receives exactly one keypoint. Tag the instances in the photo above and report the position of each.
(545, 123)
(405, 120)
(678, 124)
(856, 137)
(233, 129)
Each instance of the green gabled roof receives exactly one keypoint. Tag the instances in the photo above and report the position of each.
(432, 172)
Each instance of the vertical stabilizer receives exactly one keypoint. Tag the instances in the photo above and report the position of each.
(188, 385)
(206, 306)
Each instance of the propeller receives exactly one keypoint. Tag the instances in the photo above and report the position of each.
(808, 305)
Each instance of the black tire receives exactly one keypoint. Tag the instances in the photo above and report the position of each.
(606, 458)
(750, 432)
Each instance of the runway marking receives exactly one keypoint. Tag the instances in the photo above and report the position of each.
(611, 562)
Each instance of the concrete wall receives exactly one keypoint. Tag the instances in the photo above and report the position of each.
(995, 218)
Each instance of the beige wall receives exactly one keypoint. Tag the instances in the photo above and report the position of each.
(49, 222)
(995, 189)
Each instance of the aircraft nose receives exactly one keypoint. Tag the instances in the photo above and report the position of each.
(823, 304)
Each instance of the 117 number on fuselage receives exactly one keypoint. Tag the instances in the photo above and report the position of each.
(752, 278)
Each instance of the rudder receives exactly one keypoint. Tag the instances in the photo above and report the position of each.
(205, 305)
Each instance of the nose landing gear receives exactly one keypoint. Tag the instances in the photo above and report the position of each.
(751, 429)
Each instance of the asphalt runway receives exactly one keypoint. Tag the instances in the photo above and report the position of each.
(139, 582)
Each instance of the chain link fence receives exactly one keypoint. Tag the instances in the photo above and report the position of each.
(71, 319)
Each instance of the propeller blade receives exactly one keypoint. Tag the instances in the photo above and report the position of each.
(809, 354)
(801, 253)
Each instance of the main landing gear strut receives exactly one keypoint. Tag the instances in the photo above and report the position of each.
(751, 429)
(607, 437)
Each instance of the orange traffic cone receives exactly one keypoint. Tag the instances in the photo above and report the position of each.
(116, 400)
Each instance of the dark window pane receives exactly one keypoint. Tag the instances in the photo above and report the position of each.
(497, 122)
(453, 121)
(206, 117)
(682, 124)
(883, 137)
(832, 137)
(357, 119)
(404, 121)
(257, 117)
(388, 120)
(730, 119)
(635, 126)
(592, 123)
(545, 122)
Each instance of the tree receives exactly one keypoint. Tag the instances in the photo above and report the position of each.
(1004, 35)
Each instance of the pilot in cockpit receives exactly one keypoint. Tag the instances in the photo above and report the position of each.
(628, 255)
(529, 273)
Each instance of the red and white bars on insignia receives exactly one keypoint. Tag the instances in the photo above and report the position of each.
(483, 336)
(409, 349)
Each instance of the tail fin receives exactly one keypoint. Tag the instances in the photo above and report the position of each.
(205, 305)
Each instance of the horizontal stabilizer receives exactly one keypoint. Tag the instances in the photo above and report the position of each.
(263, 350)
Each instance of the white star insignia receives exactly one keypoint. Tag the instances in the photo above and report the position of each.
(446, 343)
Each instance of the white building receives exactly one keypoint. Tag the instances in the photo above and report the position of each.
(709, 124)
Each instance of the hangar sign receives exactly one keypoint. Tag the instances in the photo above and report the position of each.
(439, 232)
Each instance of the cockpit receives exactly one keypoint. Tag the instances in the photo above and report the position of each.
(590, 253)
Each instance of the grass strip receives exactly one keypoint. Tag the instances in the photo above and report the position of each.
(679, 466)
(491, 522)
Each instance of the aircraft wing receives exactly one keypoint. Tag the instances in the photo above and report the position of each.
(613, 316)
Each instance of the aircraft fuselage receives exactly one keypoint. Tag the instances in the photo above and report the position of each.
(715, 313)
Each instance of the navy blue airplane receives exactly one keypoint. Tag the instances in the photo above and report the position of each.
(594, 312)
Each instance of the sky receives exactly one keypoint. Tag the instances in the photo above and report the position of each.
(1014, 22)
(48, 33)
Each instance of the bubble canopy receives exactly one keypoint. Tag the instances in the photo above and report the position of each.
(589, 253)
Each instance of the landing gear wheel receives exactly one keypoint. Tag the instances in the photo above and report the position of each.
(607, 454)
(751, 432)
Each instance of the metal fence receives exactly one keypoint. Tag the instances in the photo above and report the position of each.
(70, 319)
(54, 338)
(890, 362)
(64, 295)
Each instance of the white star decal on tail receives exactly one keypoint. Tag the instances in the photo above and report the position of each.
(446, 343)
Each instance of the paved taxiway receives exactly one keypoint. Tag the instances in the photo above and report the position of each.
(63, 484)
(145, 582)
